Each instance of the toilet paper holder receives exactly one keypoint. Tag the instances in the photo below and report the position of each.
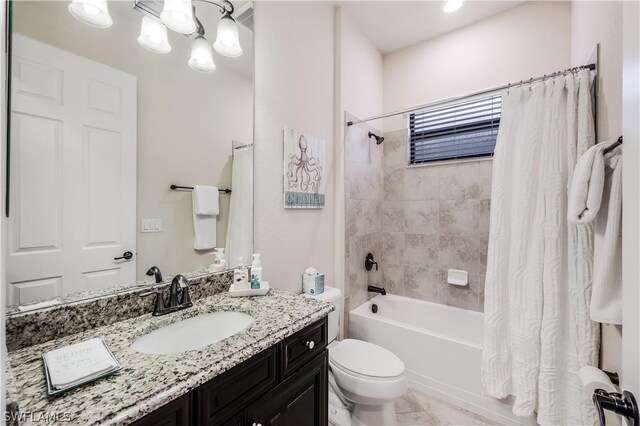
(623, 404)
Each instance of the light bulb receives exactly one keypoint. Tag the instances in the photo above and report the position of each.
(201, 55)
(92, 12)
(153, 36)
(228, 42)
(178, 16)
(452, 5)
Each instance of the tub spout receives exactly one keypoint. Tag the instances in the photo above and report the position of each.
(375, 289)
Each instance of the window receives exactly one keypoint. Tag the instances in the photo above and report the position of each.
(464, 129)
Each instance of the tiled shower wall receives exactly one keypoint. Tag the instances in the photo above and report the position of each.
(363, 220)
(434, 218)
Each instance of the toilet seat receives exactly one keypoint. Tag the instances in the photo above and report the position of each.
(366, 360)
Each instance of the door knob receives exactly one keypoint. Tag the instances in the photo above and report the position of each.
(127, 255)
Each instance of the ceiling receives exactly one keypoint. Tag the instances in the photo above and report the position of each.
(393, 25)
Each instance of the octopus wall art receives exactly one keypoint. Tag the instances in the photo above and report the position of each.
(304, 166)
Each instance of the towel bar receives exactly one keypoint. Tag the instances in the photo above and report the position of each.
(174, 187)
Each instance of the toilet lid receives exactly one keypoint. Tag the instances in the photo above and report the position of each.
(366, 359)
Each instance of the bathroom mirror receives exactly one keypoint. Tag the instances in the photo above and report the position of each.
(104, 119)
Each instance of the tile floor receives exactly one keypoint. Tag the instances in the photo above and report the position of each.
(417, 408)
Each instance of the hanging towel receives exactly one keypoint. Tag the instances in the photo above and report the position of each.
(205, 200)
(205, 216)
(596, 196)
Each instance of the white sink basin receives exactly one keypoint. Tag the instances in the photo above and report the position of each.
(192, 333)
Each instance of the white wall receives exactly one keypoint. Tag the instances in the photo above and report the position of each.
(361, 72)
(186, 124)
(294, 67)
(631, 193)
(527, 41)
(594, 22)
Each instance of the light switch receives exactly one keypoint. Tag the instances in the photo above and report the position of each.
(151, 225)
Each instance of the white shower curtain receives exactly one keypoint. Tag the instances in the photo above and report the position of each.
(538, 284)
(240, 226)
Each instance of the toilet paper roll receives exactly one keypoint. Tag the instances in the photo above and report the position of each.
(593, 378)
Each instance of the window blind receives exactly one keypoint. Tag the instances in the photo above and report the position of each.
(463, 129)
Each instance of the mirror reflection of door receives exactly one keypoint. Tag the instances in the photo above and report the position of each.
(73, 174)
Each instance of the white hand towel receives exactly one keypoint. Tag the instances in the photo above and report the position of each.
(596, 196)
(585, 195)
(205, 216)
(205, 200)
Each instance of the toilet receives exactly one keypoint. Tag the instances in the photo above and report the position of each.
(366, 377)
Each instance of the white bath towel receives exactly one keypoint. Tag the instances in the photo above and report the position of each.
(205, 216)
(205, 200)
(596, 196)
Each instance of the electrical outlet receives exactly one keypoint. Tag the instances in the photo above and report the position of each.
(151, 225)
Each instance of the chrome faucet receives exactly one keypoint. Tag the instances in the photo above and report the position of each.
(178, 296)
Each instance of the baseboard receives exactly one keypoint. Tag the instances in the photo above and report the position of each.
(491, 408)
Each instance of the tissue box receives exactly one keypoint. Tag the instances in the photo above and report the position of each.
(312, 283)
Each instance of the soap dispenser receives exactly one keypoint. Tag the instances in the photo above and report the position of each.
(256, 272)
(219, 261)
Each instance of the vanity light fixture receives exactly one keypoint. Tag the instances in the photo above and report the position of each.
(91, 12)
(178, 16)
(153, 36)
(228, 42)
(201, 55)
(452, 5)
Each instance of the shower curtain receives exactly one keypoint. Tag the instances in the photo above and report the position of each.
(538, 283)
(240, 226)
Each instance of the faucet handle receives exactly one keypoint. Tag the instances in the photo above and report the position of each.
(159, 304)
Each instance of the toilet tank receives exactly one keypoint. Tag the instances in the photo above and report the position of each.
(334, 296)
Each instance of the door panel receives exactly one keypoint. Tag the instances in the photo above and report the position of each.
(38, 160)
(73, 174)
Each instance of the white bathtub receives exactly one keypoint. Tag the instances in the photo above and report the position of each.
(441, 347)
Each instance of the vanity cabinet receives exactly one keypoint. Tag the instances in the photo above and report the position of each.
(299, 400)
(285, 384)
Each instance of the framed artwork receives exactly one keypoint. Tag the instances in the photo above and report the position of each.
(304, 166)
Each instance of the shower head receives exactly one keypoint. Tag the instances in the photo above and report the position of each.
(379, 139)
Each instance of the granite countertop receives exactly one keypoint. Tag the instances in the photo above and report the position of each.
(147, 382)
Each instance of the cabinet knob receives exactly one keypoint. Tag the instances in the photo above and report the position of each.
(257, 424)
(310, 344)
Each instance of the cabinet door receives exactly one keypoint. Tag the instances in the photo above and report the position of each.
(299, 400)
(226, 395)
(175, 413)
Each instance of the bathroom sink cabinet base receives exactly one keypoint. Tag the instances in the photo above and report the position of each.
(285, 384)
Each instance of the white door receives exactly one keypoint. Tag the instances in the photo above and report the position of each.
(73, 174)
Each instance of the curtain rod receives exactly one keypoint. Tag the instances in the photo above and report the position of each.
(483, 92)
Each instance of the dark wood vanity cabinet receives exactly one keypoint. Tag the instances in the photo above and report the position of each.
(285, 384)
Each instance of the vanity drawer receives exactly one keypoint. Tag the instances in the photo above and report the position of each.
(297, 350)
(224, 396)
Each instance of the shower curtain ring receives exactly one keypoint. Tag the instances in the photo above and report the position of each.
(530, 83)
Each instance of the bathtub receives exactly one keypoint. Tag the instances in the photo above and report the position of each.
(441, 347)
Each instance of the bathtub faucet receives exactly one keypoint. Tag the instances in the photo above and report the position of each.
(374, 289)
